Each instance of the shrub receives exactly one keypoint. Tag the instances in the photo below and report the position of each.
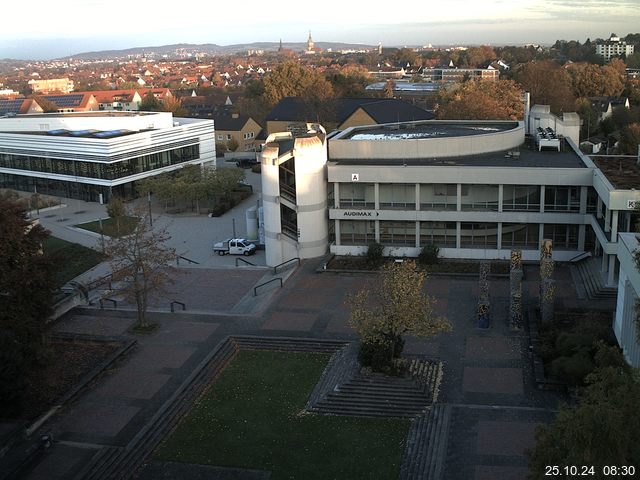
(380, 357)
(429, 255)
(256, 168)
(374, 254)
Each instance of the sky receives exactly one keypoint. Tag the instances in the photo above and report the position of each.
(48, 30)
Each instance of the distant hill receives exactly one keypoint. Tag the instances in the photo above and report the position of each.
(179, 49)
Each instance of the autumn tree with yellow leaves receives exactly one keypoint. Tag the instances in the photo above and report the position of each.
(394, 307)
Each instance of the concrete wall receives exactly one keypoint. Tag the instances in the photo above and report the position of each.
(624, 325)
(437, 147)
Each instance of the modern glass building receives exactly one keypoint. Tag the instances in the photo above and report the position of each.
(95, 155)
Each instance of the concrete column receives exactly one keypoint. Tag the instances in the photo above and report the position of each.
(599, 208)
(614, 226)
(417, 196)
(540, 235)
(611, 281)
(376, 197)
(541, 200)
(500, 232)
(607, 220)
(605, 262)
(337, 232)
(458, 241)
(418, 233)
(582, 232)
(583, 199)
(459, 198)
(500, 200)
(377, 227)
(336, 195)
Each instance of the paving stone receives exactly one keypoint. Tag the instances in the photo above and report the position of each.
(485, 472)
(495, 348)
(60, 461)
(94, 325)
(98, 419)
(306, 300)
(128, 382)
(155, 357)
(493, 380)
(505, 438)
(290, 321)
(179, 331)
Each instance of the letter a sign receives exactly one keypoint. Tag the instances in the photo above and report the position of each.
(355, 177)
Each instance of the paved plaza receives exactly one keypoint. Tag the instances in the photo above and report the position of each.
(487, 379)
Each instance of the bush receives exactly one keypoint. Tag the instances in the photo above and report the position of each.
(256, 168)
(429, 255)
(12, 374)
(380, 356)
(374, 254)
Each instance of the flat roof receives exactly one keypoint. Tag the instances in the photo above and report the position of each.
(529, 157)
(622, 172)
(409, 131)
(98, 113)
(88, 133)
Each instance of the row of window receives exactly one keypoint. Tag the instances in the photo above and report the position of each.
(473, 197)
(105, 171)
(472, 234)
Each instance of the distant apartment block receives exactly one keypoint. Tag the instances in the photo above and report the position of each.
(51, 85)
(614, 47)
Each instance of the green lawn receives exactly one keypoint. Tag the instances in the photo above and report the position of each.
(71, 259)
(110, 226)
(251, 418)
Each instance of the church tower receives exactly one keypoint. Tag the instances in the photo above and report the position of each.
(310, 43)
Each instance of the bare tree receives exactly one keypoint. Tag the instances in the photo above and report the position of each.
(140, 261)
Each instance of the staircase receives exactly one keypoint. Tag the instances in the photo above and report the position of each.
(426, 448)
(591, 278)
(376, 395)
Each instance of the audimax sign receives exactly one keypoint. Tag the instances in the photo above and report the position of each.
(360, 213)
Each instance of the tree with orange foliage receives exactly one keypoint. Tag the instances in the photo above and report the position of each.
(481, 100)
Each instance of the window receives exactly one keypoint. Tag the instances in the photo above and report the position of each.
(521, 198)
(478, 235)
(438, 196)
(398, 196)
(357, 195)
(229, 136)
(357, 232)
(398, 233)
(561, 199)
(480, 197)
(520, 235)
(564, 237)
(220, 136)
(441, 234)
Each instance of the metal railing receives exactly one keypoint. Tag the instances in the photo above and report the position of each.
(178, 257)
(579, 257)
(275, 269)
(176, 302)
(255, 289)
(238, 259)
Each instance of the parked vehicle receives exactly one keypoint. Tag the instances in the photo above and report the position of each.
(235, 246)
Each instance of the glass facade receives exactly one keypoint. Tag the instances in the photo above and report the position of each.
(442, 234)
(357, 195)
(99, 170)
(354, 232)
(561, 199)
(521, 198)
(398, 233)
(480, 197)
(564, 237)
(398, 196)
(520, 235)
(478, 235)
(438, 196)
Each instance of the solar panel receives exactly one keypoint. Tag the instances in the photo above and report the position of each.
(10, 106)
(73, 100)
(81, 133)
(60, 131)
